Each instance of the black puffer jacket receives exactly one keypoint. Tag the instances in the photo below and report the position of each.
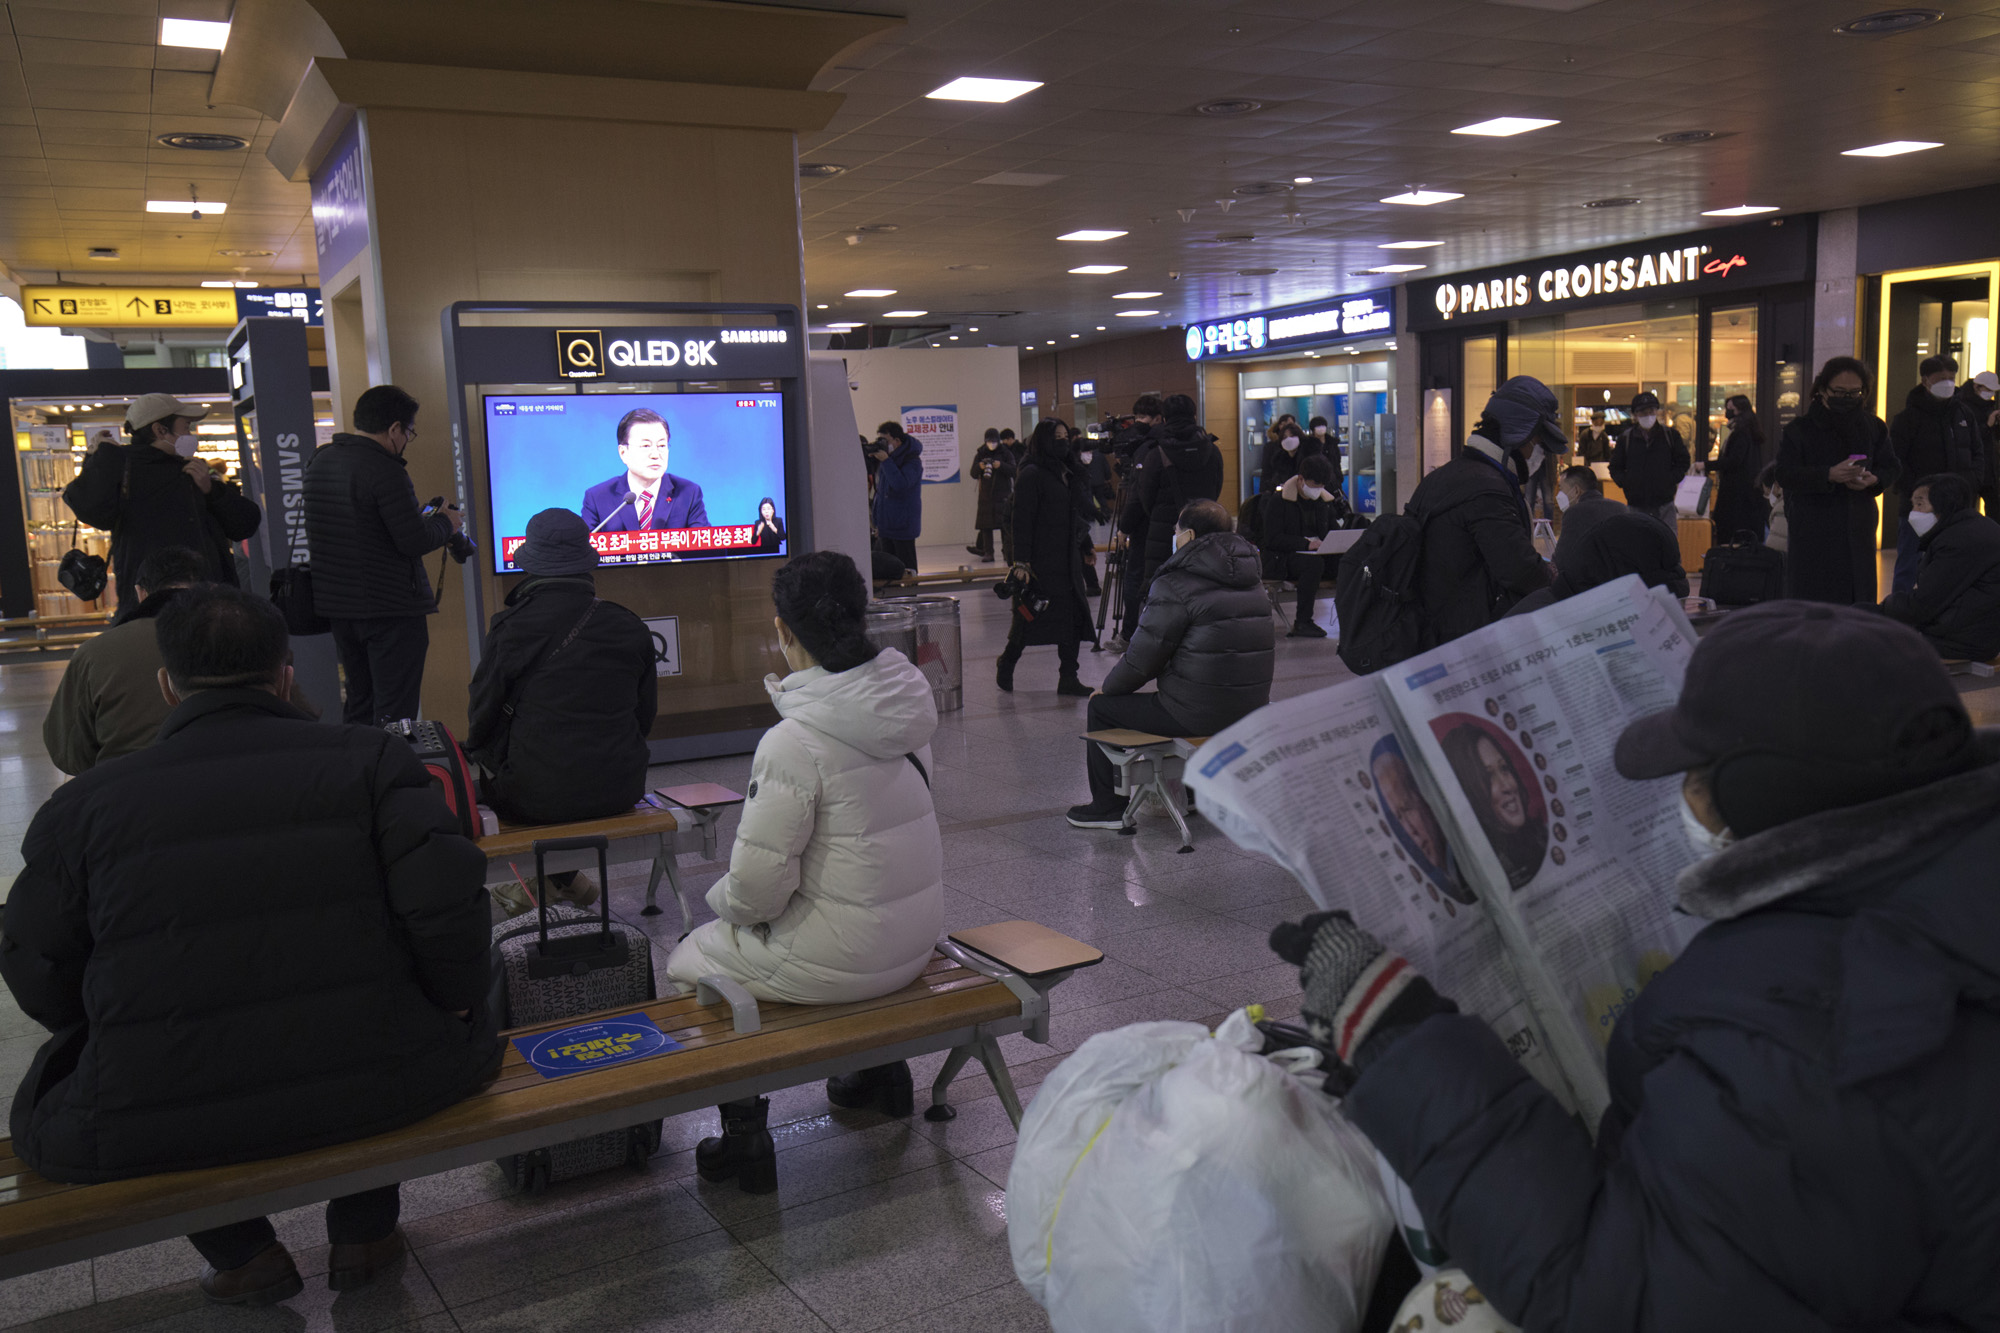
(1932, 435)
(1801, 1134)
(1280, 464)
(159, 506)
(1648, 465)
(1479, 551)
(367, 533)
(1623, 542)
(1956, 603)
(1289, 518)
(225, 990)
(575, 746)
(1204, 635)
(1182, 465)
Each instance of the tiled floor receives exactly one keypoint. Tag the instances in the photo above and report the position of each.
(877, 1224)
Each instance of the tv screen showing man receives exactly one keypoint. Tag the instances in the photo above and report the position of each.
(645, 497)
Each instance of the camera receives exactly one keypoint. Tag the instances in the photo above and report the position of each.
(460, 546)
(1021, 589)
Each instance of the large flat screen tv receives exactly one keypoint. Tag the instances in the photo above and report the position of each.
(659, 477)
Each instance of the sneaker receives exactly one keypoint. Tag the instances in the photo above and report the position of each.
(1116, 644)
(1306, 629)
(512, 897)
(1110, 815)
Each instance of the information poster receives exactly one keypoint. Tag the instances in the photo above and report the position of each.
(935, 429)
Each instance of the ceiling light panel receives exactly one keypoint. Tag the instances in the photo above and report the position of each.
(1504, 127)
(1740, 211)
(1088, 234)
(868, 293)
(903, 314)
(983, 90)
(1134, 296)
(1423, 198)
(1894, 148)
(1135, 314)
(202, 206)
(1099, 268)
(1408, 245)
(198, 33)
(1397, 268)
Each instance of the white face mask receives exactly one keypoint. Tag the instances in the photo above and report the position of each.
(1085, 455)
(1705, 840)
(1290, 444)
(1315, 492)
(1320, 431)
(1562, 500)
(185, 445)
(1920, 522)
(1182, 537)
(1648, 421)
(1536, 457)
(1943, 389)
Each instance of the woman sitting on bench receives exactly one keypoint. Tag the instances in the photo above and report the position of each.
(835, 890)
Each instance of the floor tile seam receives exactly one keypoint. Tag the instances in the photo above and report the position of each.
(778, 1278)
(824, 1199)
(555, 1217)
(443, 1304)
(498, 1292)
(971, 1295)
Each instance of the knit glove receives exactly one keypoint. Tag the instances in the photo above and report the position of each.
(1355, 989)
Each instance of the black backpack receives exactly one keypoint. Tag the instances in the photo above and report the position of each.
(1377, 598)
(1250, 519)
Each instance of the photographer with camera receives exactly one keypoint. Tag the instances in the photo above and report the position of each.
(368, 539)
(1051, 500)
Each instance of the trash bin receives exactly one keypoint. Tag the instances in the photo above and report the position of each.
(892, 625)
(940, 653)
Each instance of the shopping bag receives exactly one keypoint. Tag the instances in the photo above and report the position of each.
(1170, 1181)
(1692, 495)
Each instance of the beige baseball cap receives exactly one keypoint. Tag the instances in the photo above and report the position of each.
(150, 407)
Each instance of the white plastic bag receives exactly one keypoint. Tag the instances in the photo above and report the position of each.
(1166, 1180)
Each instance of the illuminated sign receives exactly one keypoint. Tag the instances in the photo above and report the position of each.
(1082, 389)
(129, 307)
(301, 303)
(1360, 315)
(1027, 397)
(580, 353)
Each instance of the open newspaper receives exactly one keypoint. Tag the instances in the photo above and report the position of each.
(1463, 806)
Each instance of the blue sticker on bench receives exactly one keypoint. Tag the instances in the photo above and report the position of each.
(609, 1041)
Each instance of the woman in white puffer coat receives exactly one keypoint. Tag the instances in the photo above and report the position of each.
(835, 890)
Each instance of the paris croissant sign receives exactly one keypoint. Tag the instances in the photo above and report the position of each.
(130, 307)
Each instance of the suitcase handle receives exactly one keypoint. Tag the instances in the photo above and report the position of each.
(593, 842)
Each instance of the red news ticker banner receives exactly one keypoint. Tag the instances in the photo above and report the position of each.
(621, 547)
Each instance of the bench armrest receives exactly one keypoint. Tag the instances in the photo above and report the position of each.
(1033, 993)
(742, 1004)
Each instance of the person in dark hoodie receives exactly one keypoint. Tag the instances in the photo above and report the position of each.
(1182, 465)
(1649, 460)
(564, 696)
(1800, 1132)
(1955, 600)
(1935, 432)
(1297, 517)
(1204, 636)
(1479, 550)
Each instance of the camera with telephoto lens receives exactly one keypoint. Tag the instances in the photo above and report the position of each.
(1020, 588)
(458, 544)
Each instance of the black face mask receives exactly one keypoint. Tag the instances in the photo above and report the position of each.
(1844, 402)
(1059, 448)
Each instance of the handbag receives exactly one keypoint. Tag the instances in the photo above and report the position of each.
(1743, 574)
(1692, 495)
(292, 594)
(81, 572)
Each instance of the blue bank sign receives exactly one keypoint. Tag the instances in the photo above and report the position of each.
(1362, 315)
(340, 202)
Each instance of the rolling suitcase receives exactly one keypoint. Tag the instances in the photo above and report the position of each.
(566, 966)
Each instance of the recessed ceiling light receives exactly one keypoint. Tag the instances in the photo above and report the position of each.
(1302, 180)
(903, 314)
(1100, 328)
(1740, 211)
(1408, 245)
(1501, 127)
(973, 330)
(102, 252)
(218, 282)
(1135, 314)
(953, 338)
(983, 90)
(869, 292)
(1099, 268)
(185, 206)
(202, 142)
(1134, 296)
(1076, 335)
(1423, 198)
(846, 324)
(819, 307)
(1615, 201)
(1888, 22)
(820, 168)
(198, 33)
(1894, 148)
(1088, 234)
(1396, 268)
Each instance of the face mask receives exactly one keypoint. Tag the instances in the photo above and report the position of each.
(1059, 448)
(1647, 422)
(185, 445)
(1920, 522)
(1315, 492)
(1844, 402)
(1705, 840)
(1182, 537)
(1943, 389)
(1536, 456)
(1290, 444)
(1562, 501)
(1320, 431)
(1086, 455)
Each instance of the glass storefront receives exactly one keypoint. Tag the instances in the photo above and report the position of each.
(1922, 312)
(1353, 394)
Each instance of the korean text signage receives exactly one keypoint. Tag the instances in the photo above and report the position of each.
(340, 202)
(1364, 314)
(1082, 389)
(594, 1045)
(301, 303)
(1028, 397)
(130, 307)
(1712, 261)
(935, 429)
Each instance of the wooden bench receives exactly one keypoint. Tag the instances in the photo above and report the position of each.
(963, 1003)
(1960, 666)
(646, 834)
(1146, 764)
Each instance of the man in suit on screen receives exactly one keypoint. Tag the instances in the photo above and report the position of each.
(645, 497)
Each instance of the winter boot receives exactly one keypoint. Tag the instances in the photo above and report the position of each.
(884, 1088)
(1073, 687)
(1003, 670)
(744, 1150)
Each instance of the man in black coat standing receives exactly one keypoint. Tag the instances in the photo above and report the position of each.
(1183, 464)
(1649, 461)
(368, 539)
(154, 493)
(309, 968)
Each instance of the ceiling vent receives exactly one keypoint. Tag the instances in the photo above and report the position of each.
(1687, 136)
(1889, 22)
(1258, 188)
(247, 254)
(818, 170)
(1255, 272)
(1615, 201)
(1235, 237)
(1228, 106)
(203, 143)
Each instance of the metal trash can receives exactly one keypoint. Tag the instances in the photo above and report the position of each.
(892, 625)
(940, 652)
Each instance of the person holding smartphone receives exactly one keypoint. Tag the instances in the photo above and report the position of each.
(1833, 463)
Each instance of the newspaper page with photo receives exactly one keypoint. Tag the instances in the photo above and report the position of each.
(1462, 804)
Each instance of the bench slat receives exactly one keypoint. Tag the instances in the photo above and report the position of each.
(519, 839)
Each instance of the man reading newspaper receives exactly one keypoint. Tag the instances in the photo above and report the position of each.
(1799, 1132)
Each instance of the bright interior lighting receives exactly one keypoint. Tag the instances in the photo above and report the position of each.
(983, 90)
(819, 307)
(215, 428)
(1100, 268)
(1397, 268)
(186, 206)
(1894, 148)
(1076, 335)
(1371, 386)
(1408, 245)
(247, 284)
(218, 282)
(845, 325)
(198, 33)
(954, 338)
(1089, 235)
(1133, 296)
(1135, 314)
(1331, 388)
(903, 314)
(1740, 211)
(1259, 394)
(1500, 127)
(1295, 390)
(868, 292)
(1100, 328)
(1423, 198)
(1302, 180)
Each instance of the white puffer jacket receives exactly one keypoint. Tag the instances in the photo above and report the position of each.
(835, 890)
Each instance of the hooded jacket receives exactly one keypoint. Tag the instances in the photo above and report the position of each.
(1801, 1133)
(368, 535)
(1479, 551)
(835, 890)
(1932, 435)
(145, 499)
(1609, 545)
(1956, 603)
(1205, 635)
(1648, 465)
(899, 499)
(1182, 465)
(227, 990)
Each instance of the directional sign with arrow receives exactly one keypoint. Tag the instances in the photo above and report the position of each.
(129, 307)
